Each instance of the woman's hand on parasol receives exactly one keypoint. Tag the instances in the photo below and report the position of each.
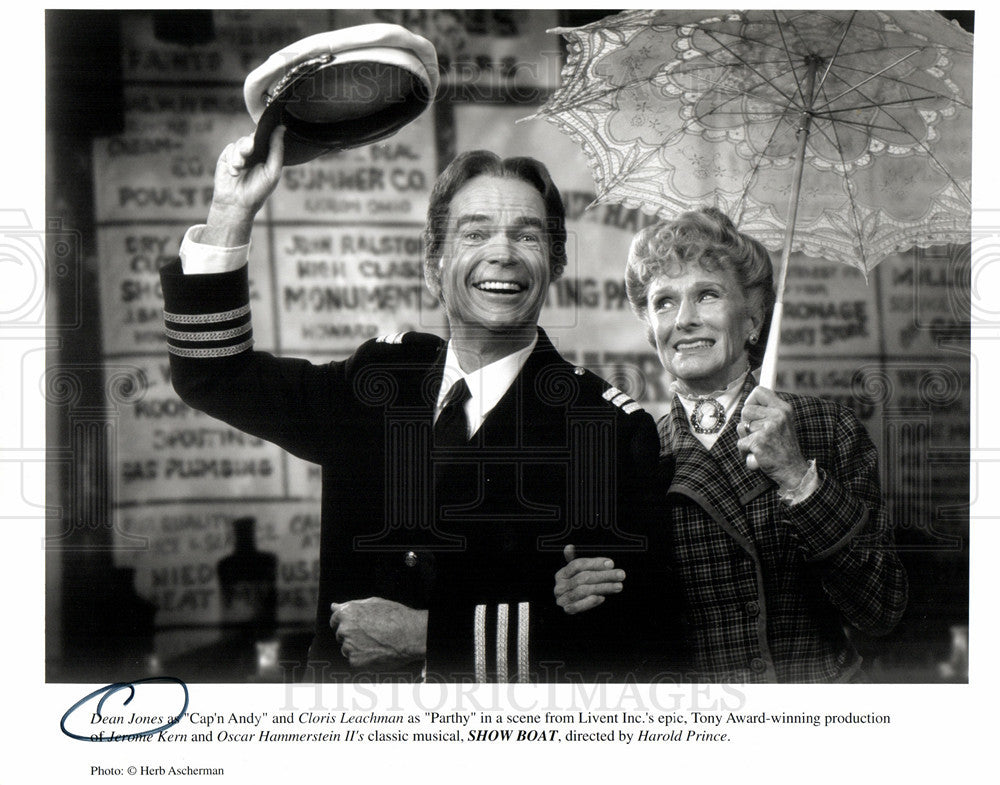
(768, 439)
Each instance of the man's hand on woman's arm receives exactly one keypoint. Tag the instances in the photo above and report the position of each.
(584, 583)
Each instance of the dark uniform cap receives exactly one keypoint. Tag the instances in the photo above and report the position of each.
(341, 89)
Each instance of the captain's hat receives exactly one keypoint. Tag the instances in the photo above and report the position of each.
(341, 89)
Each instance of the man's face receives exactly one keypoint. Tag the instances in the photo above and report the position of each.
(495, 263)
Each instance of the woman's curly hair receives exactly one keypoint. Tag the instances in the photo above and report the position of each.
(708, 238)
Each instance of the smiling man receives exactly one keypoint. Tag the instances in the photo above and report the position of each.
(454, 471)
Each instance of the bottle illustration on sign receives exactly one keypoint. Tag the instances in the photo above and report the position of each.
(248, 583)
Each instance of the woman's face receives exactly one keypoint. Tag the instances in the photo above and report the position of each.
(701, 320)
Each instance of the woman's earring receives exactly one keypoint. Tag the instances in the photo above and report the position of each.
(753, 338)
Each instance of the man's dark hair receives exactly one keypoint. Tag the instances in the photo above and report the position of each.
(482, 162)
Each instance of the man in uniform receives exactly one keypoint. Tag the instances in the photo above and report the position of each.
(454, 472)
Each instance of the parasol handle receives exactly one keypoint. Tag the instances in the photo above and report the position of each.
(769, 368)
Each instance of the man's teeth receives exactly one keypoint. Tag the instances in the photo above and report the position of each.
(499, 286)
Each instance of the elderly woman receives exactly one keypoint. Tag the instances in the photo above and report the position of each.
(778, 533)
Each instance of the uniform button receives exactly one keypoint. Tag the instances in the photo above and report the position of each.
(410, 559)
(753, 608)
(758, 665)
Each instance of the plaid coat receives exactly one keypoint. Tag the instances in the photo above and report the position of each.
(769, 588)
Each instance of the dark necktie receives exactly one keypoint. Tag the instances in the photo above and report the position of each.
(452, 426)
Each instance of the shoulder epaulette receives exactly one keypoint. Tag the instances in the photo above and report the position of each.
(392, 338)
(621, 400)
(403, 346)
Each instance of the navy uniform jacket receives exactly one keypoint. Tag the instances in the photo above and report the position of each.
(473, 534)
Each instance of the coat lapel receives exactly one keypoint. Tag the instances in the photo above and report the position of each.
(717, 479)
(521, 406)
(745, 484)
(431, 379)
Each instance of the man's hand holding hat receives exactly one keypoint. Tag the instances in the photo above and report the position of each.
(240, 190)
(331, 91)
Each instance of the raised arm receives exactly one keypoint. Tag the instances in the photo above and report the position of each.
(208, 323)
(240, 190)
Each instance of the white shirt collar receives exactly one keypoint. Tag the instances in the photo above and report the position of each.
(486, 385)
(729, 398)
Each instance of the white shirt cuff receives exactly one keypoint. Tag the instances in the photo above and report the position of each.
(200, 259)
(808, 484)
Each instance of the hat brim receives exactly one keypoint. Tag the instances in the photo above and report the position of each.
(339, 107)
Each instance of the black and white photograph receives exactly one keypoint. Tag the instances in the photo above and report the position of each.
(516, 388)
